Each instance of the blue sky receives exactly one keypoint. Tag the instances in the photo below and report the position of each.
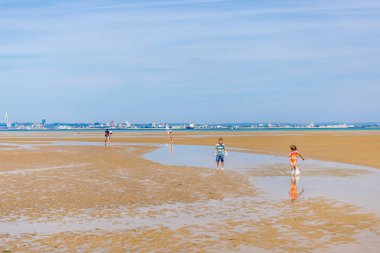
(192, 60)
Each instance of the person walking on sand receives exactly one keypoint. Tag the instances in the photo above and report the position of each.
(170, 137)
(293, 155)
(220, 151)
(107, 135)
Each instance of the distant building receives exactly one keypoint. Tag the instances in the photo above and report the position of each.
(7, 122)
(191, 126)
(127, 124)
(20, 127)
(37, 125)
(112, 124)
(64, 127)
(154, 125)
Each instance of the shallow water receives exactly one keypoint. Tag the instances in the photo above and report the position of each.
(174, 216)
(201, 156)
(353, 184)
(237, 159)
(26, 171)
(34, 145)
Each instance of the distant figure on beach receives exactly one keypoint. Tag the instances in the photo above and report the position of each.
(293, 155)
(107, 135)
(293, 191)
(220, 151)
(170, 137)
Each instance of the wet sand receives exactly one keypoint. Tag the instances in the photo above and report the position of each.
(355, 147)
(69, 193)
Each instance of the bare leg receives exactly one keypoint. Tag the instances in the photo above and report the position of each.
(293, 166)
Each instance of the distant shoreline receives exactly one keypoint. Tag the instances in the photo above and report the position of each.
(276, 129)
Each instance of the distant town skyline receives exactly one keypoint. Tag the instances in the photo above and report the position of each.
(43, 125)
(161, 124)
(210, 61)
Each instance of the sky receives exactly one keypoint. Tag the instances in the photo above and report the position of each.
(206, 61)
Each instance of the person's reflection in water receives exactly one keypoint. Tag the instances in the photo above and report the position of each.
(293, 191)
(171, 149)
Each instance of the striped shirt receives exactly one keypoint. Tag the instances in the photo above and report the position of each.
(220, 149)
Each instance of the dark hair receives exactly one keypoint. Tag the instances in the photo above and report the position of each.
(220, 139)
(293, 147)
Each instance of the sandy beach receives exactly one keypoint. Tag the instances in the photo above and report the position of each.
(111, 116)
(67, 192)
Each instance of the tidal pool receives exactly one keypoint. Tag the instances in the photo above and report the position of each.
(349, 183)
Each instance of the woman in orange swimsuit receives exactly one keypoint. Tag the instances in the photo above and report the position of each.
(293, 158)
(170, 137)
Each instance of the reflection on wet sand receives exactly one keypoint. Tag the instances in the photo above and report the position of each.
(171, 149)
(293, 191)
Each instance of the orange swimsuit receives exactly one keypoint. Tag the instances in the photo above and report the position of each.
(293, 156)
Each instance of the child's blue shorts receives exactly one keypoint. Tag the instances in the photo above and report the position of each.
(220, 158)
